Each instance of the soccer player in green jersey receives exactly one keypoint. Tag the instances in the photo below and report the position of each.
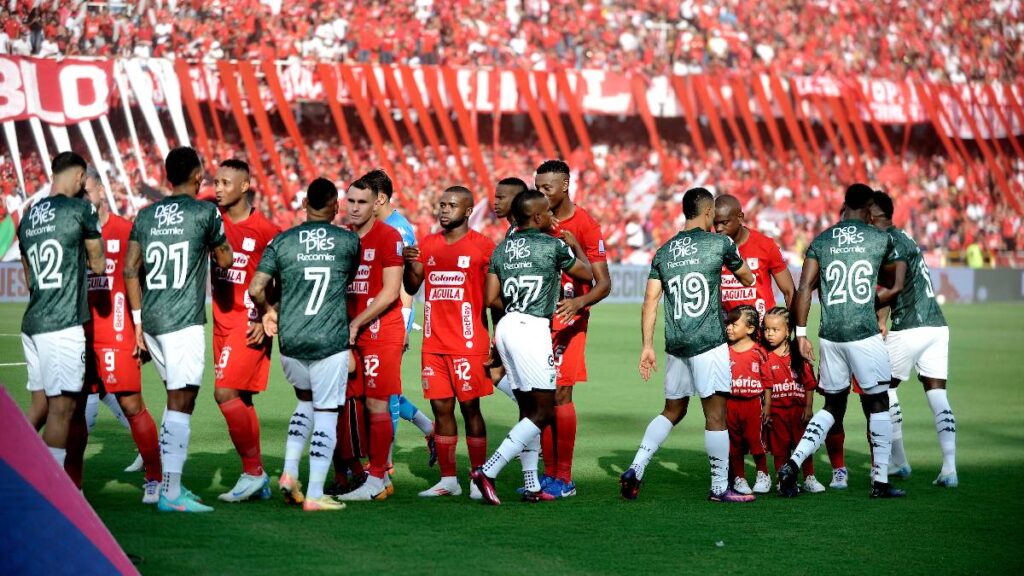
(57, 237)
(688, 270)
(843, 264)
(918, 339)
(524, 280)
(504, 193)
(313, 263)
(171, 244)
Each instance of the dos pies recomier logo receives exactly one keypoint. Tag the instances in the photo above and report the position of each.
(683, 248)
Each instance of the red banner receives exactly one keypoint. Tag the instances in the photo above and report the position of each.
(56, 92)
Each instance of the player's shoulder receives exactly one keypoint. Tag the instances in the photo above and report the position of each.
(480, 240)
(384, 230)
(582, 217)
(760, 239)
(118, 224)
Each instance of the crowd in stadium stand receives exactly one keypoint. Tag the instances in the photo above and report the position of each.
(625, 192)
(956, 40)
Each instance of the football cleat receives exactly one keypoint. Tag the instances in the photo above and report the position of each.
(486, 487)
(431, 450)
(264, 493)
(947, 480)
(337, 488)
(629, 484)
(291, 488)
(763, 483)
(729, 495)
(534, 497)
(151, 492)
(135, 466)
(322, 504)
(181, 504)
(885, 490)
(787, 480)
(442, 488)
(839, 477)
(740, 485)
(812, 486)
(568, 489)
(902, 472)
(247, 487)
(364, 494)
(191, 495)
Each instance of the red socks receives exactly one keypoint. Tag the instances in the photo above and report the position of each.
(808, 467)
(761, 462)
(148, 441)
(237, 415)
(477, 446)
(382, 433)
(446, 454)
(735, 466)
(565, 423)
(254, 423)
(834, 444)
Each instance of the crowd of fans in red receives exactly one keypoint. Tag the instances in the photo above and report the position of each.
(948, 39)
(638, 206)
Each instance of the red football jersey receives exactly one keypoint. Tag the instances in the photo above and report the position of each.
(789, 389)
(747, 371)
(232, 308)
(454, 276)
(764, 259)
(588, 233)
(111, 325)
(380, 248)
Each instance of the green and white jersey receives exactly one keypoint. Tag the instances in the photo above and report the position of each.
(51, 238)
(529, 265)
(850, 255)
(915, 306)
(689, 267)
(176, 236)
(314, 263)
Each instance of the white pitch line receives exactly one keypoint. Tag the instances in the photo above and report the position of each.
(13, 364)
(10, 335)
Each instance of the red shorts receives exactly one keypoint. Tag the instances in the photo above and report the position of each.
(786, 429)
(240, 366)
(462, 377)
(113, 370)
(570, 355)
(743, 418)
(379, 370)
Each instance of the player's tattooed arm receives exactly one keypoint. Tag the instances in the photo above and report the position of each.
(133, 288)
(898, 272)
(258, 294)
(97, 257)
(648, 318)
(223, 256)
(809, 282)
(389, 292)
(412, 276)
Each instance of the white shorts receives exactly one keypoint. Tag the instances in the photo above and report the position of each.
(327, 378)
(56, 360)
(524, 343)
(701, 375)
(925, 348)
(866, 359)
(179, 356)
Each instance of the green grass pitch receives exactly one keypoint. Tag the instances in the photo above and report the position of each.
(973, 529)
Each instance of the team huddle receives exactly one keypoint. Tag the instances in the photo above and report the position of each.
(107, 295)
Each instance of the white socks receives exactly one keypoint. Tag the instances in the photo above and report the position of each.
(945, 425)
(300, 426)
(321, 450)
(814, 436)
(92, 410)
(530, 457)
(115, 408)
(422, 421)
(656, 433)
(880, 438)
(505, 386)
(174, 436)
(899, 456)
(58, 454)
(519, 437)
(716, 443)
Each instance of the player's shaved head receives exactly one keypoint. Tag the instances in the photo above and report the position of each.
(528, 204)
(727, 204)
(320, 193)
(697, 201)
(181, 165)
(857, 202)
(461, 192)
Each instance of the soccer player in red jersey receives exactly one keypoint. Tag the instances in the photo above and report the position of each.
(240, 347)
(453, 264)
(762, 256)
(112, 359)
(569, 325)
(377, 330)
(747, 406)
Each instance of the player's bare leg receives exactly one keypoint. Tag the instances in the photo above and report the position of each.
(60, 410)
(656, 433)
(78, 437)
(147, 440)
(945, 426)
(537, 409)
(38, 410)
(237, 408)
(300, 427)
